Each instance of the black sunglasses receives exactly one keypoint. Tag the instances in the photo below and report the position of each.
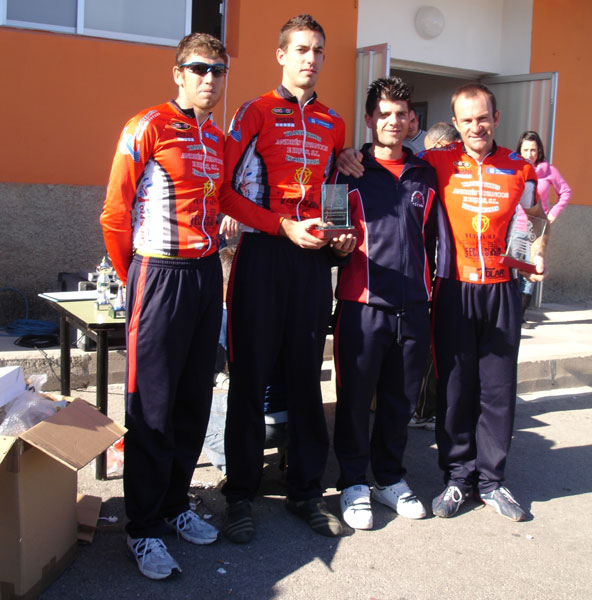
(202, 68)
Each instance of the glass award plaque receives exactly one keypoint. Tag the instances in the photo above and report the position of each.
(523, 243)
(334, 212)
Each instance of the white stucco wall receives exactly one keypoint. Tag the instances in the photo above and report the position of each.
(479, 36)
(516, 37)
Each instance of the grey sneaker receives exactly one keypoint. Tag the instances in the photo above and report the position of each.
(193, 529)
(448, 502)
(400, 498)
(505, 504)
(152, 557)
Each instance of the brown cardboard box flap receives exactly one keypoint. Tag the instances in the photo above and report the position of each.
(88, 509)
(74, 435)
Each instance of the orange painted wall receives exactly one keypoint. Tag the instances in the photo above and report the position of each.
(65, 98)
(561, 42)
(253, 66)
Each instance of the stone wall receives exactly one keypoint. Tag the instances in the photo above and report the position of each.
(569, 257)
(45, 230)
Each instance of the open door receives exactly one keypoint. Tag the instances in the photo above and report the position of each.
(372, 62)
(526, 102)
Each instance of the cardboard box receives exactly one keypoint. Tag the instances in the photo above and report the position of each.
(12, 384)
(38, 480)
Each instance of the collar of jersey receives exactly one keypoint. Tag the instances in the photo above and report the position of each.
(410, 159)
(188, 112)
(282, 92)
(490, 153)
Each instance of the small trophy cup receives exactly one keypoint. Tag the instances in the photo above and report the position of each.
(103, 285)
(117, 310)
(334, 212)
(523, 243)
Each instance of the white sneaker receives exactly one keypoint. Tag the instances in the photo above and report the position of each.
(356, 508)
(152, 557)
(400, 498)
(193, 529)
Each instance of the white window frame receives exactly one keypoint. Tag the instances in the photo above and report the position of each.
(114, 35)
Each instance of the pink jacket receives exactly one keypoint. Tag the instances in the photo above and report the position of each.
(549, 176)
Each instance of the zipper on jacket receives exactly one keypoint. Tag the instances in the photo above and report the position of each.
(211, 183)
(480, 214)
(302, 170)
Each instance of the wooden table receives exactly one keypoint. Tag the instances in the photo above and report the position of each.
(97, 325)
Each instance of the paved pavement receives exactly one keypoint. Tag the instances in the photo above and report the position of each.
(477, 554)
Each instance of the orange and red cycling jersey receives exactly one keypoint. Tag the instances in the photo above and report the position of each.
(277, 156)
(479, 201)
(162, 198)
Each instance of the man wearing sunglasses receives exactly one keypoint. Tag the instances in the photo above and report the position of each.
(159, 225)
(279, 151)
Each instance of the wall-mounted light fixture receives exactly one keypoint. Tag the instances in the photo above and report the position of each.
(429, 22)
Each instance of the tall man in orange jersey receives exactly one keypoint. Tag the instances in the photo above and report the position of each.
(279, 151)
(159, 224)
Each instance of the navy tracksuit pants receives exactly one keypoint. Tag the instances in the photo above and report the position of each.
(174, 313)
(476, 337)
(380, 351)
(279, 305)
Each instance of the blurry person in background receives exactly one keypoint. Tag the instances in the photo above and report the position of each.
(415, 135)
(530, 147)
(439, 135)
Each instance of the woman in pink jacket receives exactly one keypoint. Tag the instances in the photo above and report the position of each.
(531, 148)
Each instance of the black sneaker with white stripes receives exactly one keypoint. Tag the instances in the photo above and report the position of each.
(505, 504)
(317, 515)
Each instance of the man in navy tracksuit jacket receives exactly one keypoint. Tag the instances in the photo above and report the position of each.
(382, 332)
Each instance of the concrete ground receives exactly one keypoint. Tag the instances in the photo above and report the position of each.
(477, 554)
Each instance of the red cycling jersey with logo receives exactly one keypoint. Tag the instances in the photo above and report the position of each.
(281, 153)
(162, 198)
(480, 201)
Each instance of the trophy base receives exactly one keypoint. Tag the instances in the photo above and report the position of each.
(328, 233)
(117, 313)
(514, 263)
(103, 305)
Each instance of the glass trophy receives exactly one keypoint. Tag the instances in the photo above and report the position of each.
(334, 212)
(523, 243)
